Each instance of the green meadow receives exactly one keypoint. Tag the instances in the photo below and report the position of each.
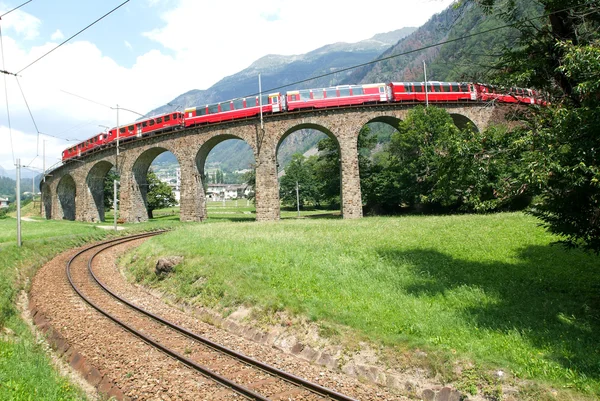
(489, 289)
(484, 292)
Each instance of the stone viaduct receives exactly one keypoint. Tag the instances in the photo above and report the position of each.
(74, 191)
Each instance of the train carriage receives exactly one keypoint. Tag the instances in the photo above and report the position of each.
(233, 109)
(436, 92)
(337, 96)
(161, 123)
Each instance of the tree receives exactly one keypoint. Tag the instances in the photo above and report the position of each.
(159, 194)
(559, 54)
(249, 178)
(299, 172)
(109, 187)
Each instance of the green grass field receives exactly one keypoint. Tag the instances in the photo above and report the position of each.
(489, 291)
(486, 288)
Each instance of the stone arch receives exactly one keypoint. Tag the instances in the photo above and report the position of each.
(202, 156)
(209, 145)
(463, 122)
(317, 127)
(389, 120)
(95, 185)
(67, 192)
(298, 127)
(46, 199)
(140, 182)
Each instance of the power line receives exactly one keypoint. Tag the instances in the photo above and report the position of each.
(31, 115)
(86, 99)
(429, 46)
(99, 19)
(8, 12)
(12, 148)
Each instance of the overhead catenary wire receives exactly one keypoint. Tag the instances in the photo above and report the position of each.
(344, 69)
(31, 115)
(65, 41)
(429, 46)
(8, 12)
(12, 148)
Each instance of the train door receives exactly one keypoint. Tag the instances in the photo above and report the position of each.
(274, 100)
(383, 95)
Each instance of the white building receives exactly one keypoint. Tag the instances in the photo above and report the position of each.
(4, 202)
(217, 192)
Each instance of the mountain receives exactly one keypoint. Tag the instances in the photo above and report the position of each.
(277, 71)
(471, 41)
(471, 44)
(12, 174)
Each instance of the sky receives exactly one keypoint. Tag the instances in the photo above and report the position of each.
(148, 52)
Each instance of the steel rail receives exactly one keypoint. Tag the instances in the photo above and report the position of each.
(313, 387)
(316, 388)
(207, 372)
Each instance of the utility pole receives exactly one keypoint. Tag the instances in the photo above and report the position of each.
(44, 175)
(426, 90)
(115, 207)
(117, 133)
(297, 199)
(18, 202)
(260, 101)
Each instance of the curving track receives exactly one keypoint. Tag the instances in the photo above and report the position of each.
(119, 363)
(244, 375)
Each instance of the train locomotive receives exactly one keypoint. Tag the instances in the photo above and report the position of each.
(338, 96)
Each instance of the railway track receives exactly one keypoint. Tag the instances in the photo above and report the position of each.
(236, 372)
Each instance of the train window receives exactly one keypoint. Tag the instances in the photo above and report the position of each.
(238, 104)
(175, 116)
(436, 88)
(417, 87)
(213, 108)
(151, 122)
(464, 88)
(130, 128)
(318, 94)
(455, 88)
(122, 130)
(331, 92)
(357, 90)
(344, 91)
(445, 88)
(167, 118)
(304, 94)
(159, 120)
(201, 111)
(225, 106)
(251, 102)
(145, 124)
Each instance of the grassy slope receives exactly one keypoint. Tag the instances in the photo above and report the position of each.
(491, 288)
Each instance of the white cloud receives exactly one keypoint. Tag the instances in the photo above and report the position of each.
(221, 43)
(58, 35)
(25, 25)
(224, 42)
(26, 149)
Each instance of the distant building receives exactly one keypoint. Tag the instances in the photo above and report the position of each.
(217, 192)
(4, 202)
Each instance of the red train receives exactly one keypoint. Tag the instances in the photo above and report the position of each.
(339, 96)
